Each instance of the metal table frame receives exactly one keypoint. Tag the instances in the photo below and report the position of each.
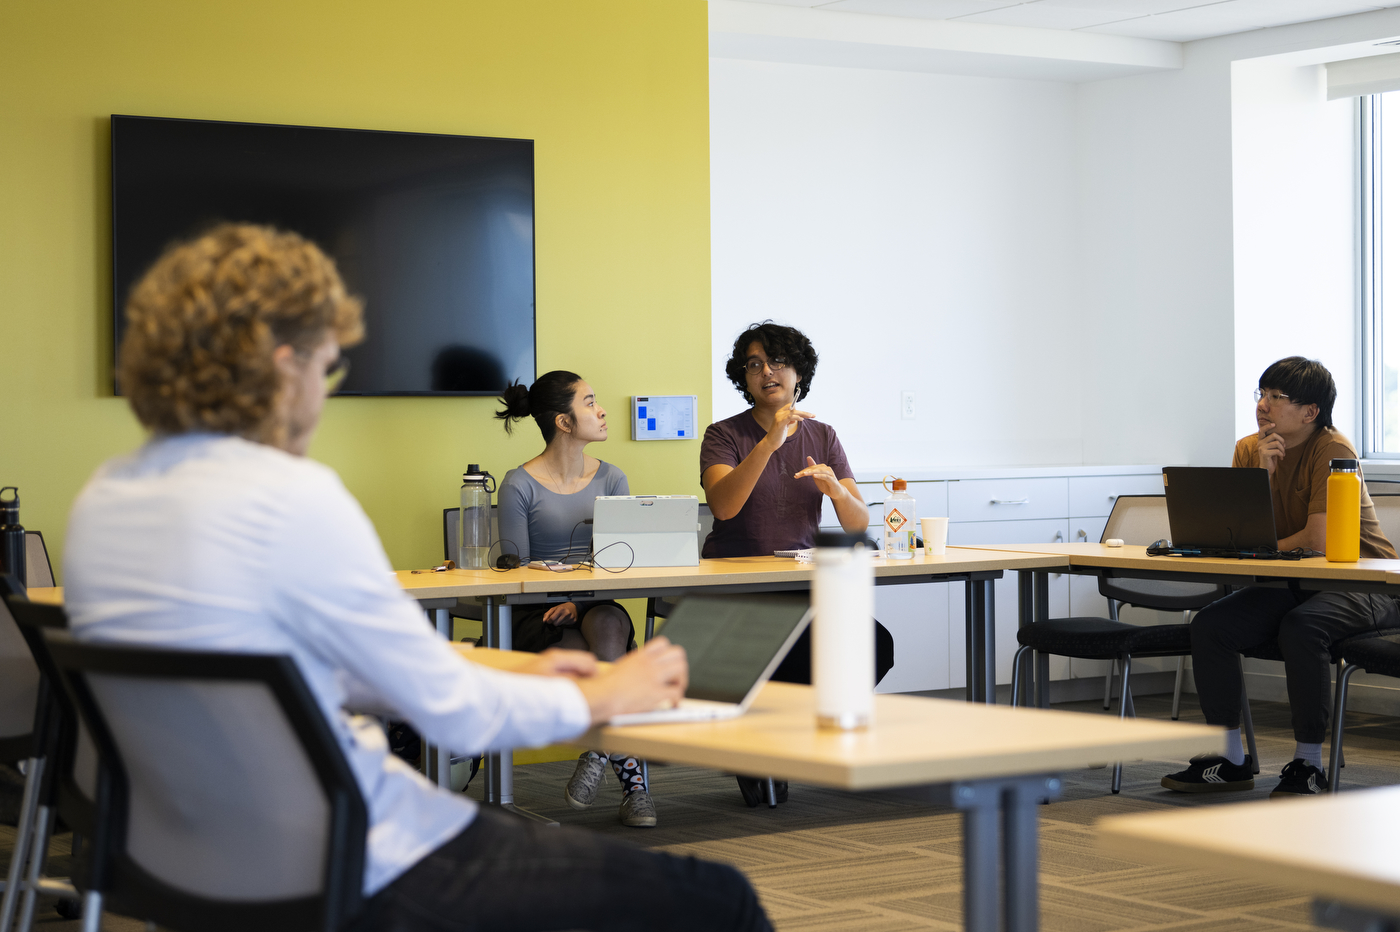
(1033, 590)
(980, 624)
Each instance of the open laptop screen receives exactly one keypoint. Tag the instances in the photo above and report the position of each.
(733, 642)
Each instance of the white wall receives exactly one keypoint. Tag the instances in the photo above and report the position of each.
(1295, 224)
(1085, 273)
(1155, 357)
(921, 230)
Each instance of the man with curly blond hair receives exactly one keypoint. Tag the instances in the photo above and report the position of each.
(218, 534)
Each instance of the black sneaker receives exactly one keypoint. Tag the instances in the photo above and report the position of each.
(1300, 778)
(1211, 773)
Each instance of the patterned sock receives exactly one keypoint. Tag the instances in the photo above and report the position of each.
(629, 772)
(1312, 753)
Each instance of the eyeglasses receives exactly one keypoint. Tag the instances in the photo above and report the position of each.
(336, 373)
(755, 366)
(1273, 396)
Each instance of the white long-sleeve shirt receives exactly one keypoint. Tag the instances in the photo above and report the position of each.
(210, 542)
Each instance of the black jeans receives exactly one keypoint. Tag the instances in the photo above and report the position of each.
(503, 873)
(1304, 626)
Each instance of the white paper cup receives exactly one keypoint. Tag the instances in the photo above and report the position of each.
(935, 535)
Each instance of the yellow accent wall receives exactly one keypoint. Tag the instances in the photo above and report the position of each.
(614, 92)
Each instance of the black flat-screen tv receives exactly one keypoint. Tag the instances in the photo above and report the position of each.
(435, 232)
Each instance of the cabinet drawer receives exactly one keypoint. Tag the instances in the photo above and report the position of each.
(974, 533)
(1008, 499)
(1093, 496)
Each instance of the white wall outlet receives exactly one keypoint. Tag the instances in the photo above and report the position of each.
(906, 405)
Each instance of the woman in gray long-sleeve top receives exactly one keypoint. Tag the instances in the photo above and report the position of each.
(544, 503)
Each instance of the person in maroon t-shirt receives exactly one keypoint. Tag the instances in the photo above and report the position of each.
(766, 470)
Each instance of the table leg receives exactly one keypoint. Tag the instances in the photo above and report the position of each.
(1042, 661)
(441, 755)
(981, 640)
(1010, 804)
(500, 779)
(1025, 615)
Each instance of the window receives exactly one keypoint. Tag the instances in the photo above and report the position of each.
(1379, 272)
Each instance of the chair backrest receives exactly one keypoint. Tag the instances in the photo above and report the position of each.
(707, 523)
(19, 686)
(38, 571)
(1140, 520)
(230, 804)
(71, 778)
(449, 532)
(1387, 504)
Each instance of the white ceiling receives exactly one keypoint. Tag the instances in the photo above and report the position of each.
(1171, 20)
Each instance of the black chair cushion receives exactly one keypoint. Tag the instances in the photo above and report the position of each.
(1102, 639)
(1380, 654)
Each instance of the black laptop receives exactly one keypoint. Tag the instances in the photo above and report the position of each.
(1220, 511)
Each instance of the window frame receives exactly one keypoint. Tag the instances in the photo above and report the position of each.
(1369, 290)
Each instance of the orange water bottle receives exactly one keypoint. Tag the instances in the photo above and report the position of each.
(1344, 512)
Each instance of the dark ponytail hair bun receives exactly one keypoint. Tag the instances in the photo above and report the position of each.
(550, 396)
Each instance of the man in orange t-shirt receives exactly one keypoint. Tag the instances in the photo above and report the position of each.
(1295, 443)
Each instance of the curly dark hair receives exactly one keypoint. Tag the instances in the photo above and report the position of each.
(779, 342)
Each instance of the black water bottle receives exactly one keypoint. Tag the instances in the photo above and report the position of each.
(11, 535)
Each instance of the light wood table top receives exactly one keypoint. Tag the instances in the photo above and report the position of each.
(46, 595)
(915, 741)
(1135, 557)
(1339, 847)
(730, 571)
(458, 584)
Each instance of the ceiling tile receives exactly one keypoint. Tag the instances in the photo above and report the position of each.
(918, 9)
(1043, 16)
(1232, 16)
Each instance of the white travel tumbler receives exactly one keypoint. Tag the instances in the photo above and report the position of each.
(843, 632)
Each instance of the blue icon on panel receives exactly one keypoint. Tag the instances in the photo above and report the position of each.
(651, 423)
(642, 413)
(680, 433)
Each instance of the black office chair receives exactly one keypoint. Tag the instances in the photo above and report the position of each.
(52, 739)
(1135, 519)
(226, 801)
(1376, 654)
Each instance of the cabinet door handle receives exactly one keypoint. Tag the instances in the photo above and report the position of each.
(1059, 538)
(1083, 533)
(1011, 501)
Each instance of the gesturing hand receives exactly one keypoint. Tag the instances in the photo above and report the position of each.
(823, 475)
(565, 613)
(786, 419)
(1271, 447)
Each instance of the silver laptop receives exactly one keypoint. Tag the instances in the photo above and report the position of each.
(645, 530)
(733, 644)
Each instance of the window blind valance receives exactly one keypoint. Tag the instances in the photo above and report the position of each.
(1354, 77)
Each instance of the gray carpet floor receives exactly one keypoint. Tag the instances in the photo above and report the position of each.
(827, 860)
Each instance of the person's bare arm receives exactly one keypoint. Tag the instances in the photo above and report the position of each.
(727, 488)
(1313, 535)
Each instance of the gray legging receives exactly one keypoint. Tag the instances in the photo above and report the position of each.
(1304, 626)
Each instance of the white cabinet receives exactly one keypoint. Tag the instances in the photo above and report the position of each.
(997, 506)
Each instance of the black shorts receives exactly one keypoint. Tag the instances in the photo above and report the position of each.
(530, 633)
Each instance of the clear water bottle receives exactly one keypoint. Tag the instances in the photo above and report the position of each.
(11, 536)
(900, 522)
(474, 518)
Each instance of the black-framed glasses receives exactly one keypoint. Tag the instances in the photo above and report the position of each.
(336, 373)
(1273, 396)
(755, 366)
